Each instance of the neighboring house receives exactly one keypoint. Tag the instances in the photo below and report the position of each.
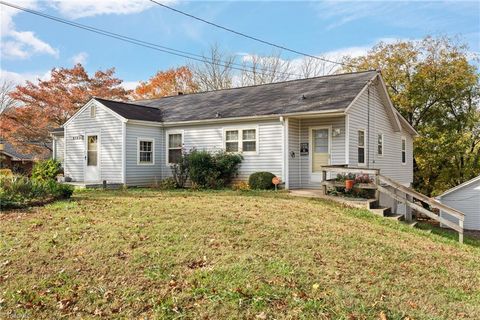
(19, 162)
(465, 198)
(290, 128)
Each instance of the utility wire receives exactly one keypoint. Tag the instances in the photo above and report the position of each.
(248, 36)
(150, 45)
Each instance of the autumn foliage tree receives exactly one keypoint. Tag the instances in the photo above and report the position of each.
(167, 83)
(436, 87)
(47, 104)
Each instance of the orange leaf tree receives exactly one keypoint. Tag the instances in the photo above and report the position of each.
(167, 83)
(47, 104)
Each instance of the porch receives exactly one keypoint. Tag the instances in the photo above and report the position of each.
(387, 188)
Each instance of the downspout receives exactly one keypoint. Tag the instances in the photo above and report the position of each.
(368, 124)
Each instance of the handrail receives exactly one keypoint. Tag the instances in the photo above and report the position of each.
(432, 202)
(340, 169)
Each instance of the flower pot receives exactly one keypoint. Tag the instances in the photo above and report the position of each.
(349, 184)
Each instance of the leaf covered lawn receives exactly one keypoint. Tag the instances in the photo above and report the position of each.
(227, 255)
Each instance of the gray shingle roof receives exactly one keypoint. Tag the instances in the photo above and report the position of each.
(13, 152)
(297, 96)
(132, 111)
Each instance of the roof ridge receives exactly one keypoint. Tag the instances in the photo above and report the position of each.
(259, 85)
(126, 102)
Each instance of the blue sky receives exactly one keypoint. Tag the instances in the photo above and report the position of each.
(31, 45)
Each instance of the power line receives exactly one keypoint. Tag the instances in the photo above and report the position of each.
(146, 44)
(248, 36)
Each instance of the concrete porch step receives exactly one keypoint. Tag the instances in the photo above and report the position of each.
(382, 211)
(395, 216)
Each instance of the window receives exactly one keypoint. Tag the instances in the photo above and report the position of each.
(175, 145)
(249, 140)
(93, 111)
(146, 151)
(231, 141)
(380, 144)
(241, 140)
(361, 147)
(404, 150)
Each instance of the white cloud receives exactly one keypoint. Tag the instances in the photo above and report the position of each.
(88, 8)
(80, 57)
(130, 85)
(21, 78)
(20, 44)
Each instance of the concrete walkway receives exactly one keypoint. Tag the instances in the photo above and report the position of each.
(351, 202)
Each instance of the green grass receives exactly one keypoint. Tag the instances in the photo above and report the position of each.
(227, 255)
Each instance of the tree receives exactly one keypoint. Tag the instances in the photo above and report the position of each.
(215, 72)
(436, 89)
(47, 104)
(6, 102)
(265, 69)
(311, 67)
(167, 83)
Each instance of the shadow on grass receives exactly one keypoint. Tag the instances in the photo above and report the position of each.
(449, 234)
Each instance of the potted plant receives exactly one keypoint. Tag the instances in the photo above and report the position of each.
(349, 181)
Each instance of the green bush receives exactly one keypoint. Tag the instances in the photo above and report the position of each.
(20, 191)
(261, 180)
(212, 170)
(46, 170)
(180, 171)
(167, 184)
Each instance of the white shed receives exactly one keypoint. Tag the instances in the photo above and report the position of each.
(465, 198)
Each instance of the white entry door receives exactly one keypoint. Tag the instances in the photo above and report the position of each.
(92, 161)
(320, 155)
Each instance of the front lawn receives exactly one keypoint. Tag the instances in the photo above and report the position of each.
(227, 255)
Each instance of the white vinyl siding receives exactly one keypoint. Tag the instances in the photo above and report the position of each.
(59, 153)
(211, 137)
(467, 200)
(294, 153)
(390, 164)
(138, 174)
(109, 128)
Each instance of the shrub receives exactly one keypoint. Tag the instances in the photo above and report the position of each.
(241, 186)
(261, 180)
(20, 191)
(167, 184)
(6, 172)
(212, 170)
(227, 165)
(46, 170)
(180, 171)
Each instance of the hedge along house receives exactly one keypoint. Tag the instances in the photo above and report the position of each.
(289, 128)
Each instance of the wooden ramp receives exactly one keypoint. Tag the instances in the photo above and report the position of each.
(412, 199)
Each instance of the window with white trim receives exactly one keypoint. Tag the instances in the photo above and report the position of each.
(404, 150)
(380, 144)
(146, 151)
(241, 140)
(93, 111)
(361, 147)
(175, 145)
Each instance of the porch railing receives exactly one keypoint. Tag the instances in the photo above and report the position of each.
(383, 184)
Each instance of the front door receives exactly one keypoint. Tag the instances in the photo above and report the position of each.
(92, 163)
(320, 155)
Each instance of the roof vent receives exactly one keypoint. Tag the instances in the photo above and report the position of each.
(218, 115)
(303, 97)
(180, 93)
